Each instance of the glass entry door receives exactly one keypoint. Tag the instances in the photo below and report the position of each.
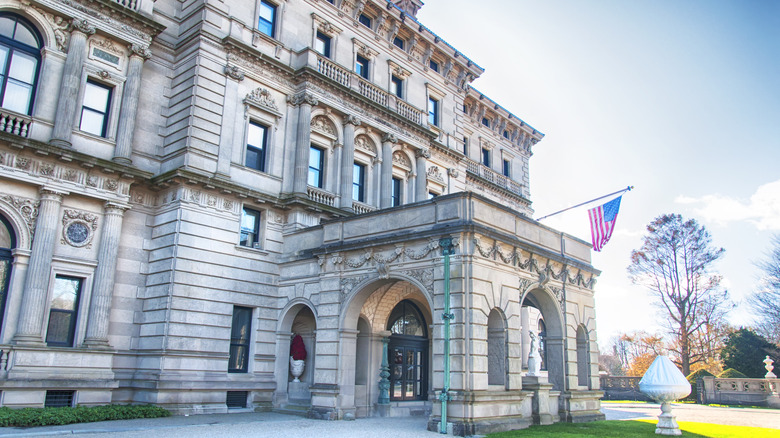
(408, 368)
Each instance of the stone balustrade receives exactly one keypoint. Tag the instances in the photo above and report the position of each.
(15, 123)
(483, 172)
(754, 392)
(360, 208)
(621, 388)
(321, 196)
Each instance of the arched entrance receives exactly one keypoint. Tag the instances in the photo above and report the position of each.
(408, 353)
(298, 320)
(542, 314)
(7, 245)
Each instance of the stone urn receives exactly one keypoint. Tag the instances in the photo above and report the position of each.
(664, 383)
(296, 368)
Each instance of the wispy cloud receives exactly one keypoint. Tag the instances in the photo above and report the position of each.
(762, 209)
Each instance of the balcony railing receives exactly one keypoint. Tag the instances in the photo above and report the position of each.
(141, 6)
(14, 123)
(360, 208)
(351, 80)
(493, 177)
(321, 196)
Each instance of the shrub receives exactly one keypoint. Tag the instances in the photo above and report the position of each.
(28, 417)
(692, 377)
(731, 373)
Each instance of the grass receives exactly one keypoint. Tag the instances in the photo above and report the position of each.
(635, 429)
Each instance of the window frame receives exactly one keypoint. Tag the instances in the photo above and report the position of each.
(360, 184)
(262, 150)
(399, 42)
(363, 66)
(74, 314)
(269, 24)
(507, 168)
(397, 83)
(327, 44)
(485, 158)
(434, 110)
(109, 101)
(258, 215)
(433, 65)
(320, 171)
(240, 343)
(396, 191)
(13, 45)
(365, 20)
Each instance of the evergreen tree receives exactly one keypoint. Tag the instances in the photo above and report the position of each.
(744, 350)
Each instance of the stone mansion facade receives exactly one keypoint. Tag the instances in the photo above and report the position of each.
(186, 185)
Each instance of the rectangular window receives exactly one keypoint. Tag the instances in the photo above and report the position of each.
(433, 65)
(486, 157)
(250, 228)
(432, 195)
(397, 86)
(359, 182)
(486, 122)
(322, 44)
(316, 163)
(267, 20)
(240, 334)
(63, 311)
(398, 42)
(256, 139)
(94, 112)
(507, 168)
(365, 20)
(59, 399)
(466, 146)
(506, 134)
(396, 192)
(236, 399)
(433, 111)
(361, 66)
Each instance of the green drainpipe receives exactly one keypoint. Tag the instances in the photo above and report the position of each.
(447, 249)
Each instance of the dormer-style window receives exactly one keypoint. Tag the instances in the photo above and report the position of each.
(365, 20)
(267, 18)
(398, 42)
(433, 65)
(506, 134)
(322, 44)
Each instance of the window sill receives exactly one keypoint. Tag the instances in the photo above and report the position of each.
(259, 251)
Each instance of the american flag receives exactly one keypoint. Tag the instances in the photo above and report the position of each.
(602, 222)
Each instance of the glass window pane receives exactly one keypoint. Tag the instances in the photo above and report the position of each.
(25, 36)
(3, 59)
(253, 158)
(267, 12)
(65, 293)
(17, 97)
(22, 67)
(7, 25)
(91, 121)
(256, 135)
(6, 238)
(96, 97)
(58, 331)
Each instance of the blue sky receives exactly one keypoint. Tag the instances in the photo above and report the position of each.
(680, 99)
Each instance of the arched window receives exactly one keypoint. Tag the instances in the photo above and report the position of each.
(20, 58)
(7, 244)
(583, 357)
(408, 353)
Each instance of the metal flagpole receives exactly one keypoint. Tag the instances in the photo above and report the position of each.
(627, 189)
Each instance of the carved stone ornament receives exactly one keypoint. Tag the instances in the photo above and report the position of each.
(352, 120)
(324, 26)
(82, 26)
(59, 26)
(364, 143)
(233, 72)
(27, 208)
(301, 98)
(422, 153)
(141, 51)
(78, 228)
(435, 174)
(400, 159)
(262, 97)
(453, 172)
(104, 74)
(347, 284)
(323, 125)
(424, 276)
(389, 138)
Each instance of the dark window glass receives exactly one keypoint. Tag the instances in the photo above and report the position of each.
(433, 111)
(63, 311)
(359, 182)
(507, 168)
(236, 399)
(250, 228)
(365, 20)
(408, 352)
(486, 157)
(240, 334)
(267, 20)
(59, 399)
(432, 195)
(7, 244)
(398, 42)
(506, 134)
(433, 65)
(396, 192)
(397, 86)
(94, 112)
(322, 44)
(466, 146)
(256, 139)
(316, 157)
(486, 122)
(20, 57)
(361, 66)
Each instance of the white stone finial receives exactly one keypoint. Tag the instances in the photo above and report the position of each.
(769, 367)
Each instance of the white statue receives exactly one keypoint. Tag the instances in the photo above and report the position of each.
(534, 358)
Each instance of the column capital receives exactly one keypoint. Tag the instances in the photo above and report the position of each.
(422, 153)
(115, 207)
(141, 51)
(351, 120)
(302, 98)
(51, 194)
(389, 138)
(82, 26)
(233, 72)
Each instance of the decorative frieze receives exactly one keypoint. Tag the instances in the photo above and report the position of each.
(109, 18)
(261, 97)
(323, 125)
(78, 228)
(424, 276)
(347, 284)
(400, 253)
(256, 69)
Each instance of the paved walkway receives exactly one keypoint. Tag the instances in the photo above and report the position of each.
(269, 424)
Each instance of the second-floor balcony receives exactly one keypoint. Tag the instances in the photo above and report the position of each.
(486, 174)
(363, 87)
(15, 123)
(140, 6)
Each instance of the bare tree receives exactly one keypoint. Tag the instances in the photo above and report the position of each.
(766, 301)
(675, 263)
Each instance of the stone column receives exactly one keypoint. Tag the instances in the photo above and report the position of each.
(71, 83)
(386, 178)
(31, 314)
(304, 102)
(129, 106)
(103, 284)
(347, 160)
(421, 181)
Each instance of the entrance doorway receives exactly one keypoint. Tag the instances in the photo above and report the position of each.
(408, 353)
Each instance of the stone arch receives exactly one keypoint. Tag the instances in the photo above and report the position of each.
(353, 305)
(326, 124)
(583, 356)
(21, 214)
(287, 391)
(545, 301)
(497, 347)
(52, 29)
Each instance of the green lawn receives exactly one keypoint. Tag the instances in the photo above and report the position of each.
(636, 429)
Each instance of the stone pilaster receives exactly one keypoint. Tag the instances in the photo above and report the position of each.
(305, 103)
(386, 178)
(421, 181)
(31, 315)
(229, 119)
(129, 106)
(347, 160)
(103, 285)
(71, 83)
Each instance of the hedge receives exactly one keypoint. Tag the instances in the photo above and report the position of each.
(731, 373)
(27, 417)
